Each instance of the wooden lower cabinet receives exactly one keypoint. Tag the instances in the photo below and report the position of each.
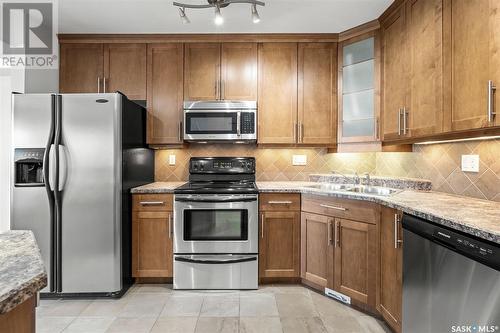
(152, 233)
(279, 246)
(391, 271)
(356, 260)
(317, 250)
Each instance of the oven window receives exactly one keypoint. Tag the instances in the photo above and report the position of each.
(216, 225)
(211, 123)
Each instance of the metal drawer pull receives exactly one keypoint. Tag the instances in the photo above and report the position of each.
(397, 241)
(491, 89)
(337, 232)
(169, 226)
(333, 207)
(286, 202)
(152, 203)
(262, 226)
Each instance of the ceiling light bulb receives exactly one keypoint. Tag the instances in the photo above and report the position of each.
(218, 16)
(183, 16)
(255, 14)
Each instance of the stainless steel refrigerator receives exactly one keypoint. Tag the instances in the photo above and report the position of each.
(75, 158)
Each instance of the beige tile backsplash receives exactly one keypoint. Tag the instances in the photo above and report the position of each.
(439, 163)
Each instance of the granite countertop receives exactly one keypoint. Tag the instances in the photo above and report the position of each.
(157, 187)
(22, 273)
(472, 216)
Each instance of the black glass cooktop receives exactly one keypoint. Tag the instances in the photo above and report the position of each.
(218, 187)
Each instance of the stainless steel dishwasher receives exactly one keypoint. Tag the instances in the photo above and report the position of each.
(451, 281)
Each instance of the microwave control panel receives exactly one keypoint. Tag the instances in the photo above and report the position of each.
(247, 122)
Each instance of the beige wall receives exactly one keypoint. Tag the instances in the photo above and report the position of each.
(439, 163)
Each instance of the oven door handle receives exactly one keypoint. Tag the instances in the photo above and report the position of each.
(215, 261)
(212, 200)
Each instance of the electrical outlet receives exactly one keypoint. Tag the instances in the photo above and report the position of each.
(470, 163)
(171, 159)
(299, 160)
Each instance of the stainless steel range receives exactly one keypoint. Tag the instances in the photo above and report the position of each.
(216, 225)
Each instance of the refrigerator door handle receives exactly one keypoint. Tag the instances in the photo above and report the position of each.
(52, 169)
(63, 166)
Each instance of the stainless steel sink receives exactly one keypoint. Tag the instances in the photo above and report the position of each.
(364, 189)
(332, 187)
(374, 190)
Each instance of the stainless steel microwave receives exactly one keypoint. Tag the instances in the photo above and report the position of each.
(225, 121)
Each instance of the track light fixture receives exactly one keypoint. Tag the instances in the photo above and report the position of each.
(217, 5)
(182, 14)
(255, 14)
(218, 20)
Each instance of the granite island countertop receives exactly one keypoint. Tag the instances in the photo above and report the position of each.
(472, 216)
(22, 273)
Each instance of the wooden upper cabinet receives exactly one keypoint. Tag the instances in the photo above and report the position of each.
(239, 71)
(165, 93)
(424, 102)
(202, 71)
(81, 68)
(125, 69)
(394, 73)
(391, 271)
(277, 93)
(356, 251)
(317, 255)
(475, 42)
(317, 93)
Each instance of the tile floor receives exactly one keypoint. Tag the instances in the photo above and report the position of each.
(158, 308)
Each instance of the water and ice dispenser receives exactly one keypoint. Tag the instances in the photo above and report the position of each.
(28, 166)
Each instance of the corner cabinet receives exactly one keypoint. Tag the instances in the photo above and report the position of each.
(391, 268)
(165, 74)
(279, 243)
(152, 233)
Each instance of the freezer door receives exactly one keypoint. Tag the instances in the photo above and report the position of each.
(90, 184)
(30, 207)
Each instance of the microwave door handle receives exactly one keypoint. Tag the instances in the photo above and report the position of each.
(238, 123)
(216, 261)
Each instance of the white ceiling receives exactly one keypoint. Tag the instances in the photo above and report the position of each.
(159, 16)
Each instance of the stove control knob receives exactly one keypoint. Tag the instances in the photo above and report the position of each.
(195, 167)
(201, 167)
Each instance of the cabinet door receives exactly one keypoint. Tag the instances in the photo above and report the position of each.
(394, 73)
(356, 260)
(202, 71)
(391, 272)
(239, 71)
(165, 93)
(152, 254)
(317, 93)
(475, 61)
(81, 68)
(279, 246)
(277, 93)
(425, 45)
(317, 249)
(125, 69)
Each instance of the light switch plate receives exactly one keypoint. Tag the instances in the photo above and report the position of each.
(171, 159)
(299, 160)
(470, 163)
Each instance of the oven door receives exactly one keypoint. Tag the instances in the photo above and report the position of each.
(208, 224)
(211, 125)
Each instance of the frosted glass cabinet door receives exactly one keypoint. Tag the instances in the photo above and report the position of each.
(358, 105)
(359, 51)
(358, 77)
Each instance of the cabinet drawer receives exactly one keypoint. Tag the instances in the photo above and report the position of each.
(343, 208)
(279, 201)
(152, 202)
